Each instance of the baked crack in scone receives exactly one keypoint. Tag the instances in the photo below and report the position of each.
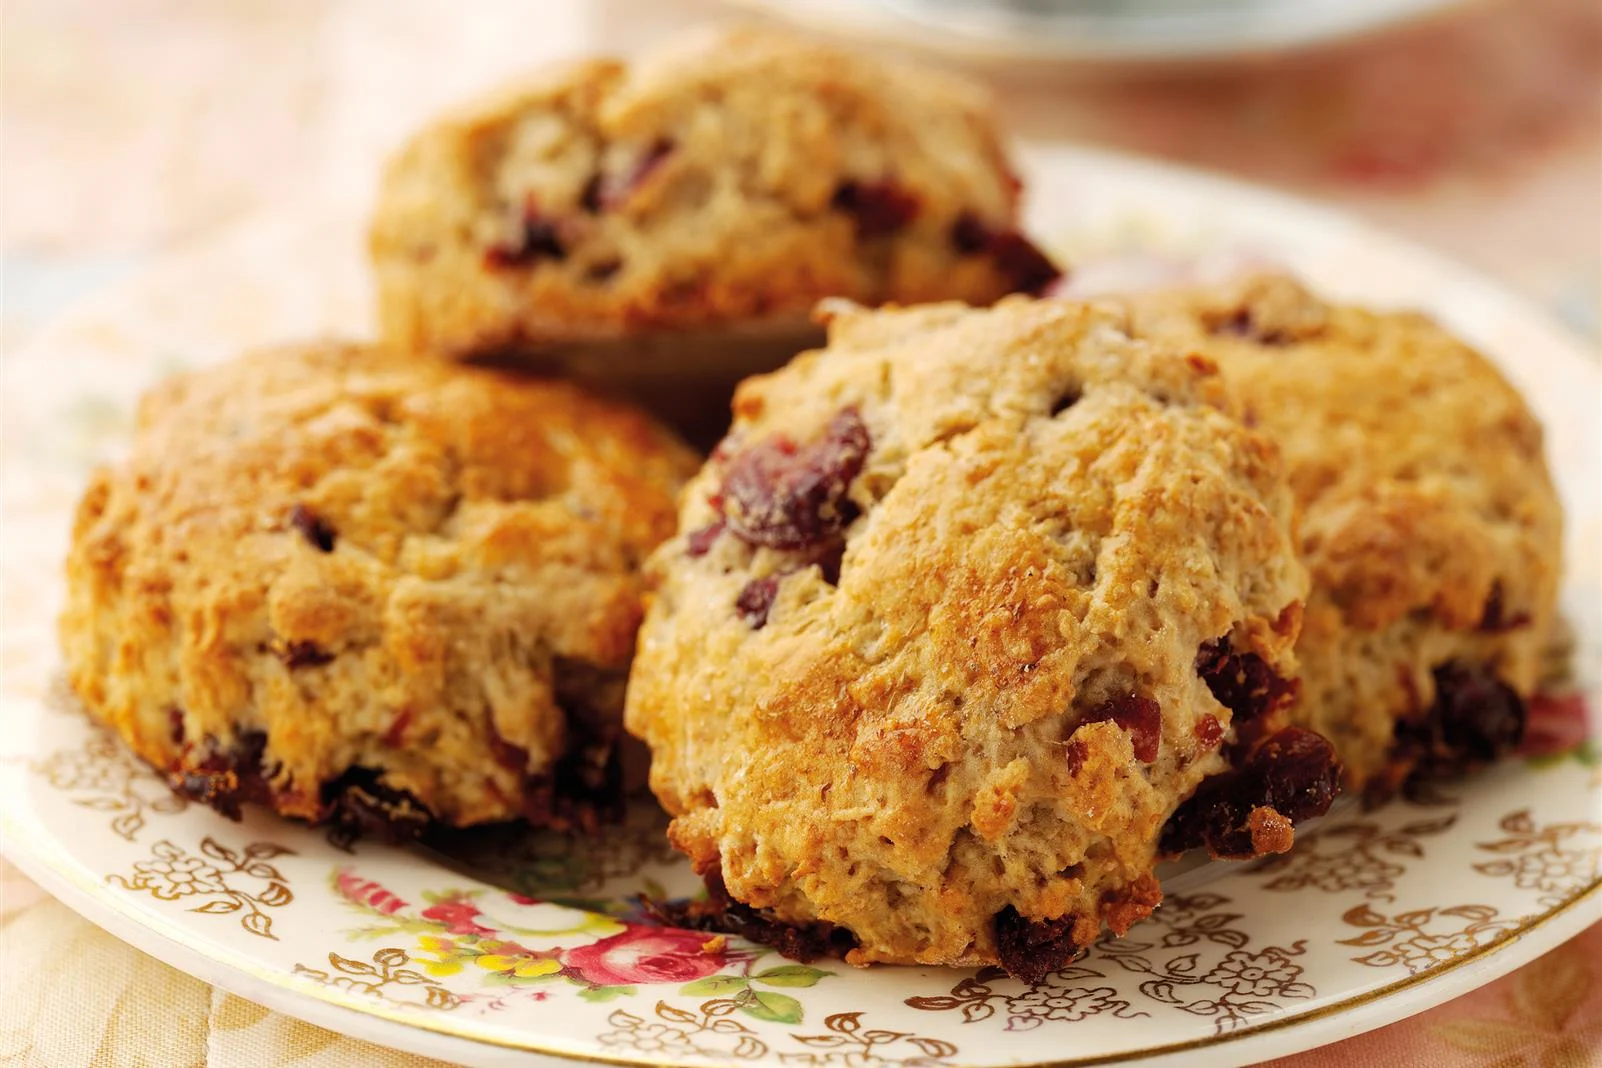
(1429, 521)
(367, 588)
(961, 613)
(692, 208)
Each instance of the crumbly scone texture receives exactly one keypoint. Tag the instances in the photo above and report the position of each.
(923, 661)
(1429, 520)
(358, 585)
(735, 177)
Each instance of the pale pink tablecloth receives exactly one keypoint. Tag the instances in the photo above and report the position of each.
(132, 127)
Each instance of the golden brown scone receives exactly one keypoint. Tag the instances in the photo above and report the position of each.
(365, 587)
(692, 208)
(1430, 524)
(962, 610)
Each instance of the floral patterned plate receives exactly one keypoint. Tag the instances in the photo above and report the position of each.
(515, 948)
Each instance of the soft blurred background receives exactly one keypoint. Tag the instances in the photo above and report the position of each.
(134, 128)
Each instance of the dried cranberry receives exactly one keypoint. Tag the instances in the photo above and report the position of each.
(590, 195)
(785, 496)
(396, 734)
(304, 654)
(1074, 755)
(227, 778)
(312, 527)
(1294, 773)
(756, 601)
(830, 561)
(1030, 950)
(538, 240)
(359, 802)
(1140, 717)
(1476, 717)
(1209, 731)
(719, 912)
(969, 235)
(1243, 682)
(699, 542)
(879, 209)
(1028, 269)
(1496, 619)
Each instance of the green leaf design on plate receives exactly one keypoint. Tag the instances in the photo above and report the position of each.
(791, 975)
(605, 993)
(715, 986)
(779, 1008)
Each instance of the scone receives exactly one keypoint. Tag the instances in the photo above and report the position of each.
(962, 611)
(367, 588)
(667, 227)
(1430, 524)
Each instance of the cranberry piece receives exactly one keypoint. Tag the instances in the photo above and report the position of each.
(1209, 731)
(1030, 950)
(396, 734)
(784, 496)
(879, 209)
(1243, 682)
(1496, 619)
(227, 778)
(1140, 717)
(968, 235)
(539, 240)
(1294, 773)
(358, 801)
(830, 560)
(699, 542)
(1074, 755)
(1476, 717)
(312, 527)
(1028, 269)
(590, 195)
(304, 654)
(756, 601)
(721, 913)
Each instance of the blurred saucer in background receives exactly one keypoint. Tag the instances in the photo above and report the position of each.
(1103, 31)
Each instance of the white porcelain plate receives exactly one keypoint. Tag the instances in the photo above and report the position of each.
(514, 950)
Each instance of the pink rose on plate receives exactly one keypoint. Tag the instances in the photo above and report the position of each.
(647, 955)
(459, 915)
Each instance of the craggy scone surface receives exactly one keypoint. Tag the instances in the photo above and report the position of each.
(1430, 523)
(366, 587)
(926, 660)
(735, 176)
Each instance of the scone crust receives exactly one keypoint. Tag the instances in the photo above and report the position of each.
(909, 723)
(738, 176)
(328, 570)
(1430, 523)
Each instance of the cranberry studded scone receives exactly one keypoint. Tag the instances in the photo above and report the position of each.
(1429, 521)
(365, 588)
(692, 208)
(961, 613)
